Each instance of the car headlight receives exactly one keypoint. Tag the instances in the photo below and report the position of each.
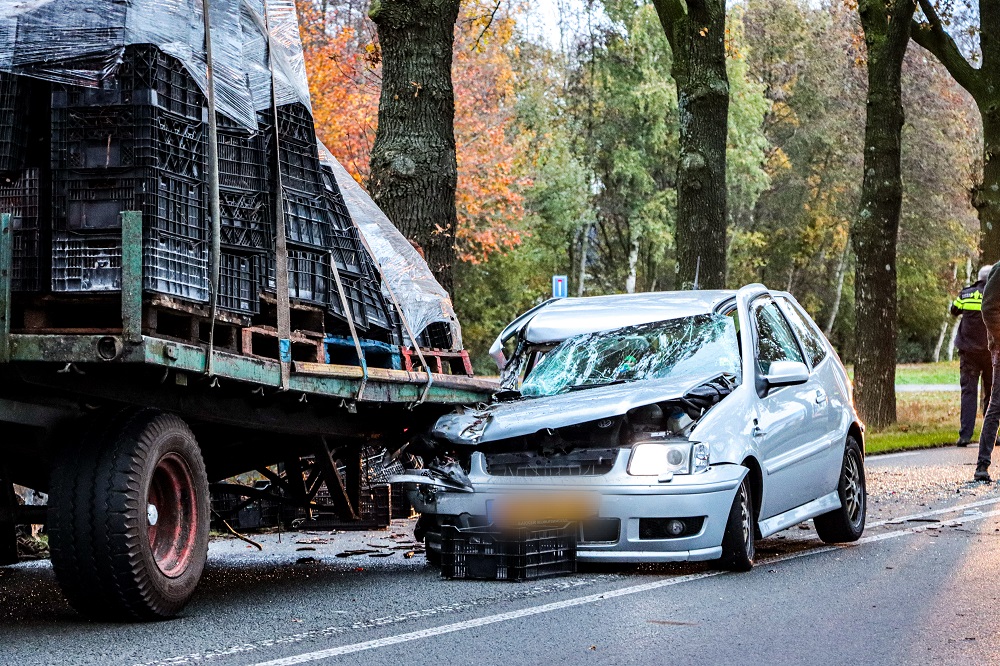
(658, 459)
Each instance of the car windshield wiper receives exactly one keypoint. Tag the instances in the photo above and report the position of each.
(610, 382)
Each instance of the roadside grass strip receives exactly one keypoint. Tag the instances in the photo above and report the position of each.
(634, 589)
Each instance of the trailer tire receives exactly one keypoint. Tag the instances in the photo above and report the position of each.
(129, 517)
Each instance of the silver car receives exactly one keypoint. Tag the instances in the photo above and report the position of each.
(689, 423)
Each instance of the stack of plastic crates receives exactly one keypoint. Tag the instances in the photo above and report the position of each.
(19, 186)
(307, 228)
(138, 142)
(359, 275)
(247, 236)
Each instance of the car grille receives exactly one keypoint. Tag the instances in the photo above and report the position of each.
(587, 462)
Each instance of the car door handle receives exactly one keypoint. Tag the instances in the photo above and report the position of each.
(820, 397)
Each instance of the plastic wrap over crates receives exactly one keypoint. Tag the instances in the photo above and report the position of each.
(81, 42)
(421, 298)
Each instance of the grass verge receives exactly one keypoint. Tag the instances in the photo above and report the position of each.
(924, 420)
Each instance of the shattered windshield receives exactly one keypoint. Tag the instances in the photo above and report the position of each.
(675, 348)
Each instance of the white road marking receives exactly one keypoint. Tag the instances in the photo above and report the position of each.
(581, 601)
(934, 512)
(879, 457)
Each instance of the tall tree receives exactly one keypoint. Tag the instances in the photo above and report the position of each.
(983, 84)
(696, 30)
(414, 172)
(886, 25)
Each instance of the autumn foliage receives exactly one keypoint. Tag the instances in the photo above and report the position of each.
(344, 63)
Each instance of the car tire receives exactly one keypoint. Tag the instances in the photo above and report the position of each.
(129, 518)
(847, 523)
(738, 546)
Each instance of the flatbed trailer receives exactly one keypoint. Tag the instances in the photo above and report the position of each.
(124, 426)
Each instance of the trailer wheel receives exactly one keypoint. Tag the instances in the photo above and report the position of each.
(129, 518)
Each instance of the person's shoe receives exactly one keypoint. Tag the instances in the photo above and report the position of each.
(981, 474)
(962, 443)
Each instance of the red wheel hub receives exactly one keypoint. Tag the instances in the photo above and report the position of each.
(172, 515)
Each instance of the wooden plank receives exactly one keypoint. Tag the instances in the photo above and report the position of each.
(396, 376)
(346, 508)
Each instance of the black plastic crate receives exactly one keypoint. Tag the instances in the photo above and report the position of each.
(86, 263)
(306, 218)
(340, 218)
(376, 309)
(14, 121)
(308, 275)
(19, 197)
(176, 267)
(355, 300)
(301, 169)
(349, 255)
(246, 220)
(242, 160)
(485, 553)
(147, 77)
(239, 283)
(295, 126)
(128, 137)
(171, 266)
(169, 205)
(26, 273)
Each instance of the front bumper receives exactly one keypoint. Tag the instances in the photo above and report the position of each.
(628, 499)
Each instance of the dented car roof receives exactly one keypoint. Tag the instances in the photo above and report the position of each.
(566, 317)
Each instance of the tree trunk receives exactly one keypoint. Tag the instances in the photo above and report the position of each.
(986, 196)
(877, 226)
(839, 293)
(983, 83)
(633, 267)
(696, 32)
(414, 172)
(584, 250)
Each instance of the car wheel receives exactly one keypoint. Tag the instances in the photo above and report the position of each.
(848, 522)
(738, 547)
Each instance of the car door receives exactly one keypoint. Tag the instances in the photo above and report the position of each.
(787, 426)
(831, 398)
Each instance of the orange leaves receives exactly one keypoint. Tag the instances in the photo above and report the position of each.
(344, 71)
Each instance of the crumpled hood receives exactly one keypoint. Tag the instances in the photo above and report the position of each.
(529, 415)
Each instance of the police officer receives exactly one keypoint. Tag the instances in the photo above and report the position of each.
(975, 361)
(991, 317)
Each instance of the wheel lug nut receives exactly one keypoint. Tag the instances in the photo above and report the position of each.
(152, 515)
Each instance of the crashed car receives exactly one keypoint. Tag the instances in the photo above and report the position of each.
(670, 426)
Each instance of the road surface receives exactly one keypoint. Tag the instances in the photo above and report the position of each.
(923, 586)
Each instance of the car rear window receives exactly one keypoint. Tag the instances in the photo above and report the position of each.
(815, 349)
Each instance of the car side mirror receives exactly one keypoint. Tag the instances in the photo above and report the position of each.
(786, 373)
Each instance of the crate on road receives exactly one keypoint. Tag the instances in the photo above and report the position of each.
(528, 553)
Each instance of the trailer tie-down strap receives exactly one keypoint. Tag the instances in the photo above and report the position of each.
(406, 324)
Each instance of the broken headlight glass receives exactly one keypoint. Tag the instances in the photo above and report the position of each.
(659, 350)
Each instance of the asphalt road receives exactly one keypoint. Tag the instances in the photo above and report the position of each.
(923, 586)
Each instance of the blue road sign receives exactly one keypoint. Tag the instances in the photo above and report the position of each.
(560, 286)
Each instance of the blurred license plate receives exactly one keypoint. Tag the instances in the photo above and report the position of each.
(540, 508)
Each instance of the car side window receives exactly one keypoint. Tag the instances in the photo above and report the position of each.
(815, 349)
(775, 340)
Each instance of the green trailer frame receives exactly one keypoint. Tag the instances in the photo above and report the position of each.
(311, 420)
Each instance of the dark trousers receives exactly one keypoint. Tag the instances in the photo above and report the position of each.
(973, 366)
(988, 438)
